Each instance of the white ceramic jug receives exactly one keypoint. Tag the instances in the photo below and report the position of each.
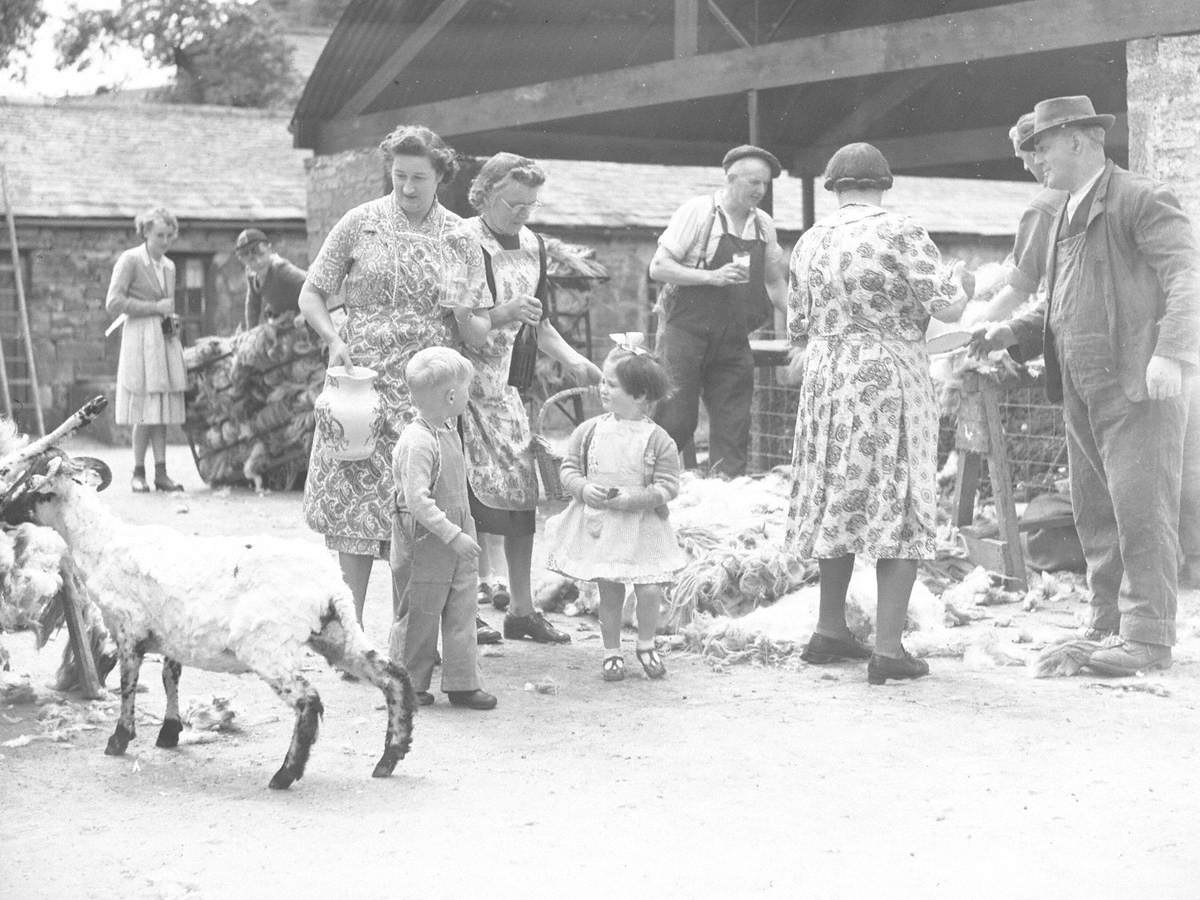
(348, 413)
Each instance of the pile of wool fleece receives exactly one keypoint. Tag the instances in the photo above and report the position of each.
(30, 577)
(733, 533)
(775, 634)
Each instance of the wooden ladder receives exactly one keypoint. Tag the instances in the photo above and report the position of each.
(14, 321)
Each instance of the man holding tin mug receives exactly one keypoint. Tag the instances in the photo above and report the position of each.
(723, 270)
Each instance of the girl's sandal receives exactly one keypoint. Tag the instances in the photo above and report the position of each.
(484, 594)
(652, 663)
(613, 668)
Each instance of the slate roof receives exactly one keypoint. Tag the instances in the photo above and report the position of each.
(617, 195)
(113, 160)
(101, 160)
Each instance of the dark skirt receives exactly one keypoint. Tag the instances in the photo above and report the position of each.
(507, 522)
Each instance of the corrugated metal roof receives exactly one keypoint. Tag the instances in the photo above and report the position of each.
(615, 195)
(98, 160)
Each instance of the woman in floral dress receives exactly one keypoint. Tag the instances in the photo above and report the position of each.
(386, 256)
(504, 273)
(864, 283)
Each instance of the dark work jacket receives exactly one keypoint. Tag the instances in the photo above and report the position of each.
(1140, 255)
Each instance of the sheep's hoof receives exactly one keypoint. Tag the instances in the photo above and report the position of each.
(119, 741)
(282, 780)
(386, 764)
(168, 735)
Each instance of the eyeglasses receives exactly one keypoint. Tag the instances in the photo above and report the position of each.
(521, 207)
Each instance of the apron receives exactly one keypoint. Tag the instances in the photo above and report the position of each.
(708, 309)
(496, 434)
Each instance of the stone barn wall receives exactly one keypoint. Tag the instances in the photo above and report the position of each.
(67, 270)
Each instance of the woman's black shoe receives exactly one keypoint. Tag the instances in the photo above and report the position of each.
(881, 668)
(822, 649)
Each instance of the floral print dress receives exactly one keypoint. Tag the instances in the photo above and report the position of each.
(390, 272)
(496, 433)
(863, 284)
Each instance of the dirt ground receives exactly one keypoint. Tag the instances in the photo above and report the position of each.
(756, 782)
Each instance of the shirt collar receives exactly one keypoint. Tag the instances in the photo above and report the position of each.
(751, 220)
(1074, 199)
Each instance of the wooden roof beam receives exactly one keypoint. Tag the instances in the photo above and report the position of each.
(875, 106)
(727, 23)
(408, 50)
(687, 28)
(945, 148)
(1013, 29)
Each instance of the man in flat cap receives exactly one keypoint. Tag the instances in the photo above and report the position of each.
(721, 258)
(1119, 329)
(272, 283)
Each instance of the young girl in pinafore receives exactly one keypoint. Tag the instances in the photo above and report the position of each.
(621, 469)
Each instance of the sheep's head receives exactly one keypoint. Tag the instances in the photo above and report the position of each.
(49, 475)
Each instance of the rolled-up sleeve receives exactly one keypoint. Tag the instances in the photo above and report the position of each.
(920, 264)
(465, 277)
(336, 255)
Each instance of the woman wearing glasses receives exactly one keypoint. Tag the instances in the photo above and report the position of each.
(509, 279)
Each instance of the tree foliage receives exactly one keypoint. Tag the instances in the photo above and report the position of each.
(19, 19)
(232, 53)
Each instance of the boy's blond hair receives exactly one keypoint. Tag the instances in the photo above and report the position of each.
(436, 368)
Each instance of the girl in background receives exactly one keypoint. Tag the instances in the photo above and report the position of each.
(621, 469)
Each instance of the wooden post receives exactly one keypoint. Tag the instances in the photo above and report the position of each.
(74, 596)
(22, 310)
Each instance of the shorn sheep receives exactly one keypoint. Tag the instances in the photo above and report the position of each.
(223, 604)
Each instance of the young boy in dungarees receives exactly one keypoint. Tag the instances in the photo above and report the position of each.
(434, 550)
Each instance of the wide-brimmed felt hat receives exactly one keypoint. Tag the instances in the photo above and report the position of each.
(249, 238)
(750, 151)
(858, 165)
(1059, 111)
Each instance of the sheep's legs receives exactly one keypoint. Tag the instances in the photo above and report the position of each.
(168, 735)
(393, 680)
(131, 665)
(345, 645)
(301, 696)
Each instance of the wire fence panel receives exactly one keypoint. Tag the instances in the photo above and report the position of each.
(1033, 430)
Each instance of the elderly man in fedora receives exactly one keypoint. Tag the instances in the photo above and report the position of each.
(722, 262)
(272, 283)
(1119, 330)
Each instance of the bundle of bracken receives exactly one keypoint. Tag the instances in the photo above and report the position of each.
(249, 404)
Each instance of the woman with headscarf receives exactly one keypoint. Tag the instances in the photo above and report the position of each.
(864, 284)
(508, 278)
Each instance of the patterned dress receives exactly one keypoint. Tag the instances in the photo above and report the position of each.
(390, 273)
(496, 432)
(863, 285)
